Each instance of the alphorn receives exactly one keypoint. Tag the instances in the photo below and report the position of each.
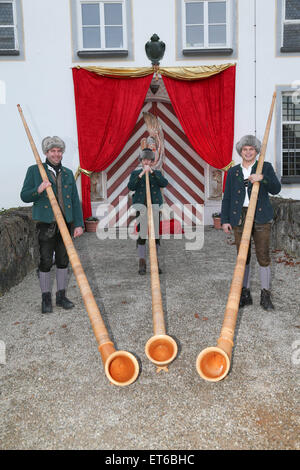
(121, 367)
(161, 349)
(213, 363)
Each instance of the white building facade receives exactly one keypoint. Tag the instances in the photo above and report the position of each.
(41, 40)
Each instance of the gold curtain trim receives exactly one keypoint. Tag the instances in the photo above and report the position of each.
(81, 170)
(119, 71)
(180, 73)
(226, 168)
(193, 73)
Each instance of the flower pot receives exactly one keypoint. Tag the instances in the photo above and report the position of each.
(91, 225)
(217, 222)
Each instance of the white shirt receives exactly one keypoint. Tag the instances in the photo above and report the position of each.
(246, 173)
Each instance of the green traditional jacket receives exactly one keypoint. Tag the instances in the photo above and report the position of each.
(156, 180)
(41, 209)
(234, 195)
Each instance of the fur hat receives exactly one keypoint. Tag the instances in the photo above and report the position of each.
(49, 143)
(249, 140)
(147, 153)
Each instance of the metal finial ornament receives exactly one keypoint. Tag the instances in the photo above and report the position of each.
(155, 49)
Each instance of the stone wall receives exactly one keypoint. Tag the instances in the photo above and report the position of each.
(19, 252)
(286, 228)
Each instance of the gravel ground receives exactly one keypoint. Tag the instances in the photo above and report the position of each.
(55, 395)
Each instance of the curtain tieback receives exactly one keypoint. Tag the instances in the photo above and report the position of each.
(226, 168)
(82, 170)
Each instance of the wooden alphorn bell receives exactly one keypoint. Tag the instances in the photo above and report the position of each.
(161, 349)
(213, 363)
(121, 367)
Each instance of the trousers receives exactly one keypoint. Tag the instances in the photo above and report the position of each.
(50, 242)
(142, 226)
(261, 236)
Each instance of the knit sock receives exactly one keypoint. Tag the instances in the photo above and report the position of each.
(246, 280)
(45, 281)
(265, 277)
(61, 278)
(142, 251)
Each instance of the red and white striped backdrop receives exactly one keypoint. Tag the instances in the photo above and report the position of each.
(182, 166)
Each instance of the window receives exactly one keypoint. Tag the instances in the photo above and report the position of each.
(8, 29)
(290, 150)
(102, 27)
(290, 26)
(206, 25)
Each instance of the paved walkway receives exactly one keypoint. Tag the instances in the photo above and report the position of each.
(55, 395)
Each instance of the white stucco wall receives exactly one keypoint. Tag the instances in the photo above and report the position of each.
(42, 85)
(42, 82)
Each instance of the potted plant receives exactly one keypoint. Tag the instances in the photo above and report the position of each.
(91, 224)
(217, 220)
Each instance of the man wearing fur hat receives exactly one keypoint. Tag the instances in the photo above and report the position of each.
(235, 203)
(50, 241)
(137, 183)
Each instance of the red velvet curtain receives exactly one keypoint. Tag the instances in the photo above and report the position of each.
(106, 110)
(205, 109)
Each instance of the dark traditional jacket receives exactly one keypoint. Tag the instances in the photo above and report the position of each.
(156, 180)
(41, 209)
(234, 195)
